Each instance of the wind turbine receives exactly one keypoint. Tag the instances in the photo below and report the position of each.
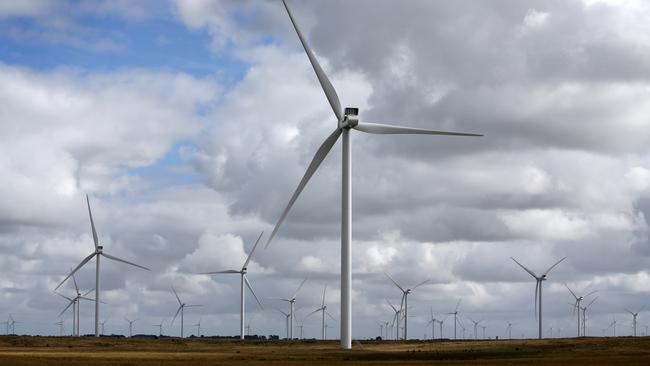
(102, 326)
(291, 301)
(538, 290)
(613, 325)
(396, 317)
(60, 324)
(577, 303)
(130, 326)
(346, 121)
(75, 302)
(242, 272)
(455, 314)
(323, 309)
(286, 321)
(441, 322)
(483, 326)
(509, 329)
(584, 316)
(405, 294)
(181, 309)
(433, 325)
(198, 328)
(634, 315)
(476, 323)
(159, 326)
(99, 252)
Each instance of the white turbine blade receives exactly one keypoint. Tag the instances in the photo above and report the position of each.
(572, 293)
(86, 298)
(320, 155)
(252, 250)
(63, 296)
(175, 315)
(330, 315)
(89, 291)
(391, 305)
(124, 261)
(538, 284)
(313, 312)
(76, 269)
(419, 284)
(329, 90)
(591, 302)
(74, 280)
(458, 304)
(525, 269)
(323, 302)
(218, 272)
(551, 267)
(279, 299)
(393, 281)
(67, 307)
(283, 313)
(591, 293)
(193, 306)
(299, 287)
(379, 128)
(92, 224)
(177, 298)
(250, 288)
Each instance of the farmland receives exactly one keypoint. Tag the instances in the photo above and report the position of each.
(173, 351)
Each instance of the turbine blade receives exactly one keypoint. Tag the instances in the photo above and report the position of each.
(67, 307)
(320, 155)
(74, 280)
(591, 302)
(84, 261)
(378, 128)
(591, 293)
(537, 285)
(124, 261)
(323, 302)
(458, 304)
(551, 267)
(525, 269)
(574, 295)
(193, 306)
(250, 288)
(419, 284)
(252, 251)
(175, 315)
(330, 315)
(177, 298)
(391, 305)
(313, 312)
(63, 296)
(89, 291)
(393, 281)
(218, 272)
(329, 90)
(92, 224)
(299, 287)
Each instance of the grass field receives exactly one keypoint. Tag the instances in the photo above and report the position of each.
(109, 351)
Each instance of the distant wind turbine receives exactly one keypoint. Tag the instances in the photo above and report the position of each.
(99, 252)
(130, 326)
(181, 309)
(634, 315)
(291, 300)
(405, 293)
(584, 316)
(476, 323)
(198, 328)
(323, 309)
(396, 317)
(509, 329)
(432, 321)
(244, 280)
(538, 291)
(346, 121)
(455, 314)
(576, 305)
(286, 321)
(159, 326)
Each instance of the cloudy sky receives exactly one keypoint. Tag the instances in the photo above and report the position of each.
(190, 123)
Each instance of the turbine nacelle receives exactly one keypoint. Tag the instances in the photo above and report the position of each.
(99, 249)
(350, 118)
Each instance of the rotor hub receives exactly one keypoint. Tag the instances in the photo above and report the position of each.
(350, 117)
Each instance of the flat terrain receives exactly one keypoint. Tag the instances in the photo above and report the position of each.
(109, 351)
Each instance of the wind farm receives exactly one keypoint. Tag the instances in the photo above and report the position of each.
(211, 144)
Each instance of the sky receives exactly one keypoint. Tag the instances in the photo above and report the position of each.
(190, 123)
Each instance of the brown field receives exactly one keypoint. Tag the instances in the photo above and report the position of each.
(109, 351)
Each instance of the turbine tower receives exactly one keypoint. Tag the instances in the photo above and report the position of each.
(634, 315)
(538, 291)
(584, 316)
(286, 321)
(75, 302)
(405, 297)
(181, 309)
(576, 305)
(346, 121)
(323, 309)
(455, 314)
(243, 280)
(509, 329)
(291, 301)
(99, 252)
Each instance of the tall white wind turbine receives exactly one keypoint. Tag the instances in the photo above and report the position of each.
(538, 291)
(455, 314)
(291, 300)
(181, 309)
(396, 317)
(634, 315)
(476, 323)
(346, 121)
(323, 309)
(159, 326)
(432, 321)
(576, 305)
(405, 297)
(244, 280)
(286, 321)
(131, 325)
(99, 252)
(584, 316)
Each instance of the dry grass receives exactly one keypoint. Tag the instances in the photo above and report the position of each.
(108, 351)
